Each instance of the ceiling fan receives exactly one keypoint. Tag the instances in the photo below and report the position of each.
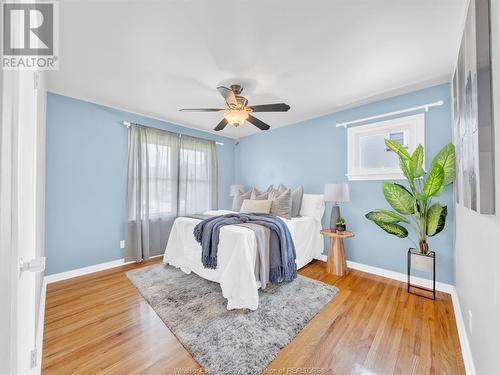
(237, 111)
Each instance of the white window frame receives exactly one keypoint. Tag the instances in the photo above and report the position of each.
(414, 125)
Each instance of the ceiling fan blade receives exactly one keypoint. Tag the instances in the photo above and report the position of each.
(255, 121)
(201, 109)
(221, 125)
(228, 96)
(277, 107)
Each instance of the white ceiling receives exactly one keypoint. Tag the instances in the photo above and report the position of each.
(154, 57)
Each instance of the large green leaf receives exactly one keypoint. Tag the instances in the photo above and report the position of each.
(394, 229)
(434, 181)
(398, 149)
(446, 159)
(436, 219)
(399, 198)
(405, 167)
(416, 162)
(385, 216)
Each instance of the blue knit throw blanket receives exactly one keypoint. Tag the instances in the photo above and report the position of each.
(281, 247)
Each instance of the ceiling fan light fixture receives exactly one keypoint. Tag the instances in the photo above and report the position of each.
(237, 111)
(236, 117)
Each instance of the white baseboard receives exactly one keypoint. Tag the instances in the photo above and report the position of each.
(83, 271)
(322, 257)
(462, 334)
(443, 287)
(86, 270)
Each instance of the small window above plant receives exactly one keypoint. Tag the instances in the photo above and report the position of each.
(368, 158)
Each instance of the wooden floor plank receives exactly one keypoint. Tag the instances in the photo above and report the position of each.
(100, 324)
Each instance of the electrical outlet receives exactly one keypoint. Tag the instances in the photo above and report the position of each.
(470, 322)
(122, 244)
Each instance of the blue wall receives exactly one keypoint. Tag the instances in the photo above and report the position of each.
(86, 170)
(314, 152)
(87, 167)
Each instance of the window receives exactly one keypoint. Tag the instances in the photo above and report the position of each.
(152, 173)
(197, 176)
(162, 179)
(368, 158)
(170, 175)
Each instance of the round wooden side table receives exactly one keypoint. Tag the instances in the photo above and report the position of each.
(336, 263)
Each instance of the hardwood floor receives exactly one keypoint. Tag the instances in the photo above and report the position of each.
(99, 324)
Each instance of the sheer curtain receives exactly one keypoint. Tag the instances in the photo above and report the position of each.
(152, 191)
(197, 176)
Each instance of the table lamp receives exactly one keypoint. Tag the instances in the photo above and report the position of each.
(336, 193)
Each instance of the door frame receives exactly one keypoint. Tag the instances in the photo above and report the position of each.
(8, 337)
(22, 179)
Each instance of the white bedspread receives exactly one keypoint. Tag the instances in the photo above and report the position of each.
(236, 255)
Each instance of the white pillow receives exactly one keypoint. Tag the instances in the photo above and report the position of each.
(256, 206)
(313, 205)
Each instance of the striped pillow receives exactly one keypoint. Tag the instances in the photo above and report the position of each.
(296, 196)
(281, 203)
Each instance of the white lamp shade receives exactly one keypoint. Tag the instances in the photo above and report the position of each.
(234, 189)
(338, 192)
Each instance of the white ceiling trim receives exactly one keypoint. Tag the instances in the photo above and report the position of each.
(357, 103)
(398, 91)
(132, 112)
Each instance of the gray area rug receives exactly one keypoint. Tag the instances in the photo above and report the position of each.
(236, 341)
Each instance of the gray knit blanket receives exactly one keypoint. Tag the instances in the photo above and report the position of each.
(262, 267)
(282, 266)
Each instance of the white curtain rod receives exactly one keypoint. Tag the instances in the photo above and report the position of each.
(128, 123)
(412, 109)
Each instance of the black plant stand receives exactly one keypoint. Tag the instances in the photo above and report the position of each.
(432, 255)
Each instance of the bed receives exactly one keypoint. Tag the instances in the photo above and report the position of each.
(237, 251)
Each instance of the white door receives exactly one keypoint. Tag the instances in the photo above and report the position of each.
(24, 218)
(20, 204)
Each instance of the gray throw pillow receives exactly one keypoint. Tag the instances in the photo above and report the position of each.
(261, 195)
(281, 204)
(239, 198)
(282, 188)
(297, 195)
(273, 192)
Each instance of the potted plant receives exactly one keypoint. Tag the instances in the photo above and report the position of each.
(415, 206)
(340, 225)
